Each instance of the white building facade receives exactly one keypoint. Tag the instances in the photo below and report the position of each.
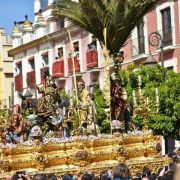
(45, 42)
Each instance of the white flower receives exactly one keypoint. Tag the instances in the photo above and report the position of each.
(36, 131)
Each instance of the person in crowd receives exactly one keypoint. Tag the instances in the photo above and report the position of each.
(93, 45)
(17, 72)
(146, 172)
(87, 176)
(176, 160)
(39, 177)
(177, 174)
(153, 176)
(20, 175)
(60, 54)
(51, 176)
(105, 176)
(121, 172)
(67, 177)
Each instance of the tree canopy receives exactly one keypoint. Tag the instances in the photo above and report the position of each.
(119, 17)
(166, 121)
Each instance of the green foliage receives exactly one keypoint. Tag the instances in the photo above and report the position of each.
(64, 94)
(101, 117)
(166, 121)
(138, 121)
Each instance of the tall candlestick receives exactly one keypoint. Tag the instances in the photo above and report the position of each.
(134, 98)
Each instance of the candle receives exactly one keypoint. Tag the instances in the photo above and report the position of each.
(157, 96)
(134, 98)
(64, 111)
(139, 79)
(147, 99)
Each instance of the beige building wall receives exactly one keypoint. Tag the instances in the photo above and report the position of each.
(6, 69)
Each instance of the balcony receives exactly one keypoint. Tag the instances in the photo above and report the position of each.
(92, 59)
(18, 82)
(76, 64)
(31, 79)
(42, 79)
(138, 46)
(58, 69)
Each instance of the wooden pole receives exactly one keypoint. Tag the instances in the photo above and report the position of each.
(74, 71)
(74, 76)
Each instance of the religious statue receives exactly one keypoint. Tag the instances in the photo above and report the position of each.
(117, 101)
(50, 96)
(2, 136)
(17, 126)
(91, 124)
(82, 93)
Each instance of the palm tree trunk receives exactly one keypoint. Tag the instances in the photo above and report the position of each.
(112, 90)
(107, 84)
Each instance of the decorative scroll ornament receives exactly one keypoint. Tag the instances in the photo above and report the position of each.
(81, 155)
(155, 39)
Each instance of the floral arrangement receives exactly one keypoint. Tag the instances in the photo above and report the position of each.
(36, 131)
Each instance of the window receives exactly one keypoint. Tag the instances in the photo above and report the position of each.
(45, 58)
(18, 69)
(61, 23)
(48, 28)
(44, 4)
(166, 26)
(140, 34)
(93, 88)
(170, 68)
(138, 45)
(60, 53)
(76, 46)
(32, 64)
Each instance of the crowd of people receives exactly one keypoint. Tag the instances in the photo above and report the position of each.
(120, 172)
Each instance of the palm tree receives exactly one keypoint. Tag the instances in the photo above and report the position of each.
(117, 17)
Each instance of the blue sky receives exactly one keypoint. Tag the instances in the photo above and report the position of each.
(15, 10)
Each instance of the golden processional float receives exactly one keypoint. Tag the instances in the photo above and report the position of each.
(38, 142)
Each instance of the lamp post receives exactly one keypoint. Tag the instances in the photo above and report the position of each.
(156, 40)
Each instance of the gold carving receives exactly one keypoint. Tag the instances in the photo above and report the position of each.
(82, 154)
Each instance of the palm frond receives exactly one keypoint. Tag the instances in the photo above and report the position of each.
(119, 17)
